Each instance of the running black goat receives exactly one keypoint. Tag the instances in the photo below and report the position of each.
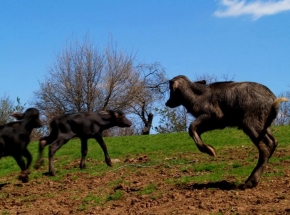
(15, 136)
(247, 105)
(84, 125)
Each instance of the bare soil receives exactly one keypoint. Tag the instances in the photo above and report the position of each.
(131, 189)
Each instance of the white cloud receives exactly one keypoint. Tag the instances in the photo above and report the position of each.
(256, 9)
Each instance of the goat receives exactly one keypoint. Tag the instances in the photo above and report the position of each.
(247, 105)
(84, 125)
(15, 136)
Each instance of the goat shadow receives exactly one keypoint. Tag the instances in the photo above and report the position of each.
(222, 185)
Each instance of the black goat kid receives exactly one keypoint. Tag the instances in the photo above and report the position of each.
(15, 136)
(84, 125)
(249, 106)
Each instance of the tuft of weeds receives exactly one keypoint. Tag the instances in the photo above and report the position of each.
(150, 188)
(115, 196)
(82, 207)
(92, 200)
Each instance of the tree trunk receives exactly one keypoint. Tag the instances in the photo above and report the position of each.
(148, 124)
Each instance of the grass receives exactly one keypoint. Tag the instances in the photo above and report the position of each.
(115, 196)
(174, 153)
(166, 149)
(150, 188)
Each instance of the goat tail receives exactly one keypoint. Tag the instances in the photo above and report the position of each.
(274, 111)
(276, 103)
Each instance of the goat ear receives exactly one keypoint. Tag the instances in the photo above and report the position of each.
(173, 85)
(119, 114)
(116, 114)
(17, 115)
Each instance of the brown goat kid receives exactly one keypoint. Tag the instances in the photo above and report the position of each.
(15, 136)
(84, 125)
(249, 106)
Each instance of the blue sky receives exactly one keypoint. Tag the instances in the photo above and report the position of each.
(247, 40)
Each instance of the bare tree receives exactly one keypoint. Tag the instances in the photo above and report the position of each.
(71, 83)
(152, 86)
(86, 79)
(120, 82)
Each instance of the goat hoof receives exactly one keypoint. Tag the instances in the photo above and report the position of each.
(207, 149)
(249, 185)
(38, 164)
(25, 180)
(109, 163)
(51, 174)
(23, 177)
(82, 166)
(211, 151)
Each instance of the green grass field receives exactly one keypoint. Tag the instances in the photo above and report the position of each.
(159, 173)
(175, 149)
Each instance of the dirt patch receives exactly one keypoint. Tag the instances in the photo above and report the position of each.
(136, 189)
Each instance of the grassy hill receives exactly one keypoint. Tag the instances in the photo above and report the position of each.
(156, 174)
(235, 153)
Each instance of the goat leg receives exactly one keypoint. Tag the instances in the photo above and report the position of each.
(84, 150)
(52, 150)
(266, 148)
(194, 127)
(41, 145)
(101, 142)
(23, 176)
(255, 176)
